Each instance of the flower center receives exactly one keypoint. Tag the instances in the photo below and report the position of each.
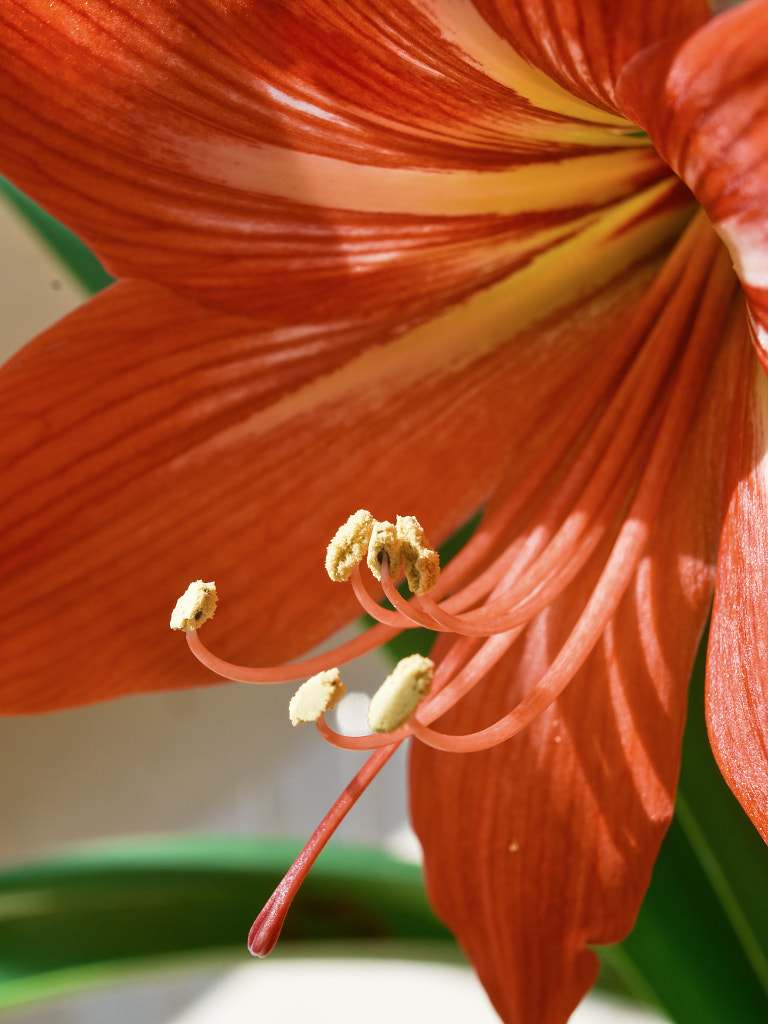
(592, 498)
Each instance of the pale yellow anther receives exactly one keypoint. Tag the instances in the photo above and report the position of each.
(195, 606)
(401, 693)
(422, 562)
(319, 694)
(349, 546)
(384, 540)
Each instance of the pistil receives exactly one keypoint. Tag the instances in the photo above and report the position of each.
(266, 929)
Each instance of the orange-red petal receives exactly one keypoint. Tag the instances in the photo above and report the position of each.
(345, 161)
(704, 105)
(737, 661)
(584, 44)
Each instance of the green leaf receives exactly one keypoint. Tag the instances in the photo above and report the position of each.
(88, 917)
(71, 251)
(700, 945)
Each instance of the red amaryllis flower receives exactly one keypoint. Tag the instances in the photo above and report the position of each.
(417, 256)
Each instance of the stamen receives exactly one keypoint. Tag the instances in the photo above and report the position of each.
(464, 665)
(384, 543)
(349, 546)
(401, 693)
(319, 694)
(419, 615)
(422, 562)
(368, 604)
(195, 606)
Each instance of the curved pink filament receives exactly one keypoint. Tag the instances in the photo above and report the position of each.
(372, 742)
(355, 648)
